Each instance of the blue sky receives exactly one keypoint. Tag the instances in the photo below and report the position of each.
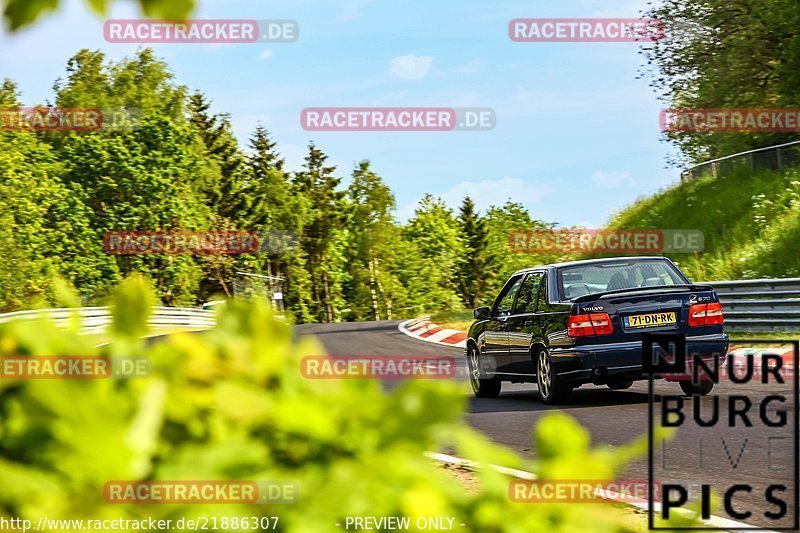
(577, 134)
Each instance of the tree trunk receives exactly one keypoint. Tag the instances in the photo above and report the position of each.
(327, 288)
(372, 282)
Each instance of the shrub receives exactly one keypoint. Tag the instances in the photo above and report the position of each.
(231, 404)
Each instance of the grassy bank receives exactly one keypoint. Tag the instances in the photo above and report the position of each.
(459, 320)
(750, 221)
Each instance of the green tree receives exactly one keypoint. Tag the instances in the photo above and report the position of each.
(280, 213)
(138, 178)
(501, 223)
(373, 287)
(430, 257)
(222, 181)
(35, 214)
(141, 84)
(320, 186)
(473, 272)
(225, 177)
(726, 54)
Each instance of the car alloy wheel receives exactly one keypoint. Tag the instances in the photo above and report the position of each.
(552, 389)
(474, 368)
(543, 375)
(483, 388)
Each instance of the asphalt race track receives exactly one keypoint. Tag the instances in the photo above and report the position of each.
(696, 455)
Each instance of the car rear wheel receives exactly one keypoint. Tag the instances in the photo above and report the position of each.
(620, 385)
(482, 388)
(551, 389)
(701, 389)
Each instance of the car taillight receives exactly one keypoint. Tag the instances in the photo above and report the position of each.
(706, 315)
(714, 315)
(591, 324)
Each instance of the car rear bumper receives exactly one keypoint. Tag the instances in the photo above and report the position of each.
(604, 363)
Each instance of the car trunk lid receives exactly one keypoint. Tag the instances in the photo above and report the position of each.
(648, 310)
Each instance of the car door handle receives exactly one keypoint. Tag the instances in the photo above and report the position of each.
(528, 322)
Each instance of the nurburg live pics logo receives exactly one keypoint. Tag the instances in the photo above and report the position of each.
(737, 446)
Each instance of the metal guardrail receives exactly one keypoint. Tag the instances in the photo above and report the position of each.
(749, 305)
(777, 157)
(96, 319)
(760, 304)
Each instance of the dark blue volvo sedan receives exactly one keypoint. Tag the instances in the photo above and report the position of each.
(568, 324)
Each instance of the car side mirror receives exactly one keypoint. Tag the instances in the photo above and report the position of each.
(482, 313)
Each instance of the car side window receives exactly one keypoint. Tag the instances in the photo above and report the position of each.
(526, 303)
(506, 299)
(543, 304)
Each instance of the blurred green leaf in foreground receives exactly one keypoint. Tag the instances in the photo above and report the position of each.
(21, 13)
(231, 404)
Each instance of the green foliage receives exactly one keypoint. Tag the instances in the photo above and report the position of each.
(232, 404)
(318, 183)
(501, 221)
(473, 274)
(431, 254)
(21, 13)
(373, 290)
(180, 167)
(135, 297)
(726, 54)
(750, 221)
(33, 224)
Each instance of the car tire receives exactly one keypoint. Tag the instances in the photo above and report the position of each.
(481, 388)
(551, 388)
(620, 385)
(701, 389)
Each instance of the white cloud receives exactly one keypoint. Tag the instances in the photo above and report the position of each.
(266, 54)
(485, 194)
(411, 67)
(612, 179)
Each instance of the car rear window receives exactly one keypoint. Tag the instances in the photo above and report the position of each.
(581, 280)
